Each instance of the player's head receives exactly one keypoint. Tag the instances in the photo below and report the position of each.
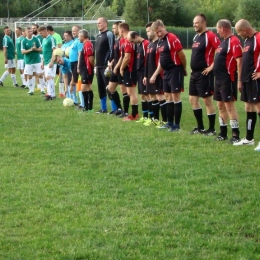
(134, 37)
(67, 36)
(123, 29)
(223, 27)
(150, 33)
(28, 32)
(59, 60)
(35, 28)
(200, 23)
(50, 29)
(115, 28)
(18, 31)
(7, 31)
(159, 28)
(83, 35)
(102, 24)
(244, 28)
(23, 33)
(43, 31)
(75, 30)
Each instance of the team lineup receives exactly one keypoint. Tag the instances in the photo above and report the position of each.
(220, 69)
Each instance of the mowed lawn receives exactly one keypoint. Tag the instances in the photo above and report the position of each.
(79, 186)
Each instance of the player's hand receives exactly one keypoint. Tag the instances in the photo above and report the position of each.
(145, 81)
(115, 71)
(206, 71)
(239, 86)
(185, 72)
(122, 72)
(152, 79)
(256, 75)
(33, 48)
(50, 65)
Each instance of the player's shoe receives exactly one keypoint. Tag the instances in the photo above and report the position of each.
(49, 98)
(163, 126)
(22, 86)
(111, 113)
(26, 87)
(221, 138)
(100, 111)
(16, 85)
(209, 132)
(61, 95)
(91, 111)
(142, 120)
(123, 115)
(118, 112)
(30, 93)
(131, 118)
(258, 147)
(174, 128)
(196, 130)
(244, 141)
(43, 92)
(234, 139)
(153, 122)
(148, 121)
(1, 84)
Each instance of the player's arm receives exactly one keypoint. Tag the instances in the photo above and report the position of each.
(118, 65)
(156, 73)
(239, 72)
(5, 54)
(182, 57)
(111, 41)
(92, 61)
(125, 62)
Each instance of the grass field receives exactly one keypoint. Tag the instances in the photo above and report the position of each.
(93, 187)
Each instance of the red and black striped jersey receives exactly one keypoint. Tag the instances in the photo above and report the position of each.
(225, 65)
(251, 57)
(203, 50)
(128, 47)
(87, 51)
(141, 50)
(168, 47)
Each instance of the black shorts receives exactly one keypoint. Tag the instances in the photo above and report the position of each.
(141, 86)
(117, 78)
(250, 92)
(201, 85)
(86, 78)
(173, 80)
(155, 88)
(225, 91)
(130, 78)
(74, 71)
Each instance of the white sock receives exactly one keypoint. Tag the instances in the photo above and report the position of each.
(51, 87)
(41, 80)
(23, 79)
(5, 74)
(61, 88)
(33, 81)
(30, 85)
(13, 77)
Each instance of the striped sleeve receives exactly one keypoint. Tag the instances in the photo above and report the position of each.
(5, 42)
(111, 41)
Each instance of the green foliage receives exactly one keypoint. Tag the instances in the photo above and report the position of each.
(118, 7)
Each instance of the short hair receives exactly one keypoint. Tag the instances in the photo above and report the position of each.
(157, 23)
(133, 34)
(104, 19)
(117, 22)
(19, 28)
(124, 26)
(28, 28)
(42, 28)
(69, 33)
(84, 33)
(148, 24)
(77, 26)
(224, 23)
(6, 27)
(203, 16)
(49, 28)
(35, 24)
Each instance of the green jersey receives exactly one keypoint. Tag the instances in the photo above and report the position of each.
(32, 57)
(40, 39)
(9, 44)
(18, 48)
(48, 44)
(57, 37)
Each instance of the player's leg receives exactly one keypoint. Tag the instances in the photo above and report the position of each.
(102, 82)
(126, 100)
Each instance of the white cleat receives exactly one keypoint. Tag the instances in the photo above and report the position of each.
(244, 141)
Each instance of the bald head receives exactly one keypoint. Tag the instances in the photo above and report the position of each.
(243, 24)
(102, 24)
(244, 29)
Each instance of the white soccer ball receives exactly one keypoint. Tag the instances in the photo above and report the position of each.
(68, 102)
(58, 52)
(108, 72)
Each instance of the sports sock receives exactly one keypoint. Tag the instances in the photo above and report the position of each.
(177, 112)
(42, 82)
(126, 102)
(250, 125)
(61, 89)
(156, 109)
(104, 103)
(134, 110)
(5, 74)
(33, 81)
(198, 115)
(145, 108)
(90, 99)
(163, 107)
(212, 118)
(86, 98)
(113, 105)
(170, 113)
(116, 99)
(13, 77)
(23, 79)
(51, 87)
(150, 109)
(235, 127)
(81, 98)
(74, 95)
(30, 85)
(223, 127)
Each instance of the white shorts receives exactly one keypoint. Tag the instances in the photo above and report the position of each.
(20, 64)
(29, 69)
(10, 64)
(50, 72)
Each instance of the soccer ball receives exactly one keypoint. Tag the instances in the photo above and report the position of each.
(67, 52)
(108, 72)
(58, 52)
(68, 102)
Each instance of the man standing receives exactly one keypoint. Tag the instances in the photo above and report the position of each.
(55, 35)
(250, 91)
(202, 78)
(227, 71)
(104, 54)
(173, 62)
(9, 56)
(48, 45)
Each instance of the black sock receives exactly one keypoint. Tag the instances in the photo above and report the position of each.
(170, 113)
(116, 99)
(163, 107)
(126, 101)
(199, 118)
(156, 109)
(223, 130)
(90, 99)
(235, 127)
(177, 112)
(145, 108)
(150, 109)
(134, 110)
(85, 96)
(250, 125)
(212, 119)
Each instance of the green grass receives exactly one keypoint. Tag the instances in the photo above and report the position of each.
(94, 187)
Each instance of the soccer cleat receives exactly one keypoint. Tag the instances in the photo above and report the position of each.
(244, 141)
(22, 86)
(26, 87)
(174, 128)
(1, 84)
(16, 85)
(91, 111)
(122, 115)
(111, 113)
(163, 126)
(209, 132)
(61, 95)
(118, 112)
(152, 122)
(196, 130)
(234, 139)
(49, 98)
(148, 121)
(258, 147)
(131, 118)
(221, 138)
(101, 111)
(142, 120)
(30, 93)
(43, 92)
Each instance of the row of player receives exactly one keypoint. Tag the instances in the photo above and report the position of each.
(159, 67)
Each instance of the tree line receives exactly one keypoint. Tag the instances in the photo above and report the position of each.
(138, 12)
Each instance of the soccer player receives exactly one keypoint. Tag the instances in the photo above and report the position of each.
(173, 62)
(250, 78)
(55, 35)
(141, 49)
(31, 48)
(104, 53)
(154, 90)
(86, 70)
(128, 70)
(48, 45)
(202, 77)
(9, 56)
(19, 55)
(227, 71)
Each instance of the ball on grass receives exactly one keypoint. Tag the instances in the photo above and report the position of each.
(68, 102)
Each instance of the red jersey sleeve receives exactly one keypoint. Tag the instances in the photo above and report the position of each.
(175, 42)
(213, 40)
(236, 47)
(128, 47)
